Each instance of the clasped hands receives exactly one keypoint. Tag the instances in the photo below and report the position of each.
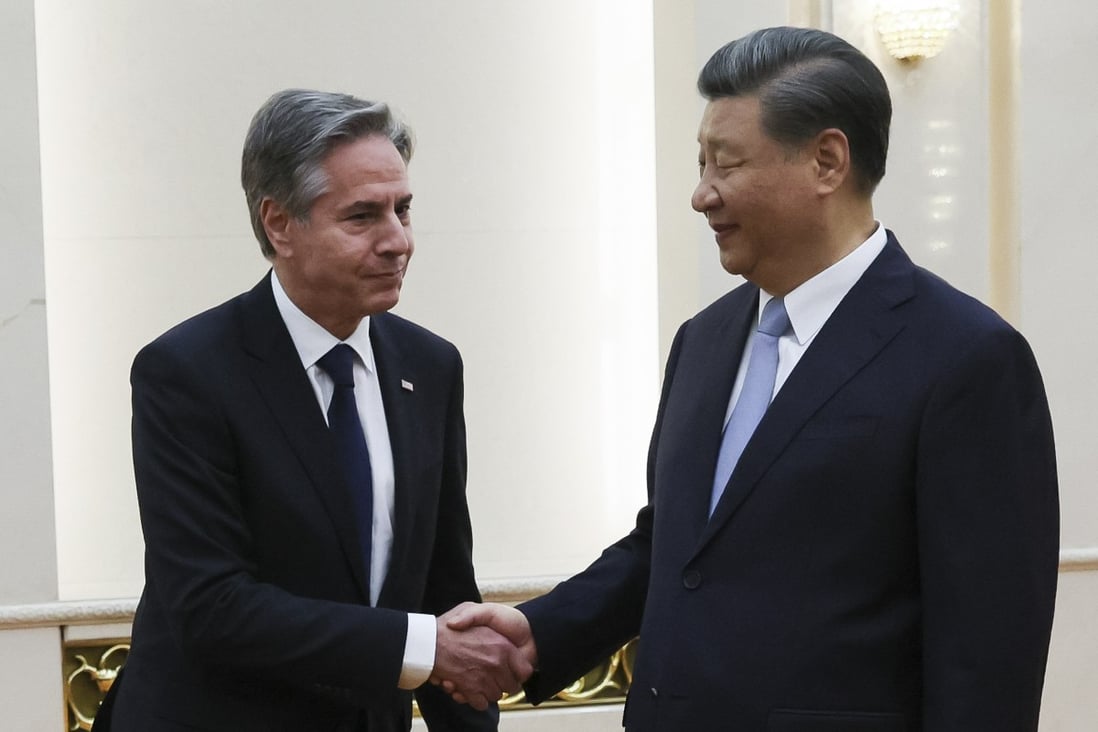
(483, 652)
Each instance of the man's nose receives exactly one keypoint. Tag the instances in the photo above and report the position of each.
(705, 197)
(396, 237)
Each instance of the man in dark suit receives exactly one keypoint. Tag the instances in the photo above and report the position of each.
(284, 590)
(882, 557)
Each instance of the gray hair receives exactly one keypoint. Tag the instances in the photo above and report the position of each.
(808, 80)
(289, 138)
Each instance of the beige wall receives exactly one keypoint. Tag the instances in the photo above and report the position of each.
(534, 185)
(555, 143)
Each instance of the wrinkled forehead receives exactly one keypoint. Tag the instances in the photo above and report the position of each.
(373, 157)
(726, 119)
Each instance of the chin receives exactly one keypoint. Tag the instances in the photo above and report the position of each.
(731, 266)
(381, 304)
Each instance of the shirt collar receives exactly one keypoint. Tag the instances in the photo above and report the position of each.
(812, 302)
(310, 338)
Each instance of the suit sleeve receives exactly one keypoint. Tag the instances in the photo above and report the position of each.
(200, 561)
(586, 618)
(988, 522)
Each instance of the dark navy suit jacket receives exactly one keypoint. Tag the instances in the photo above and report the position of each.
(884, 557)
(255, 611)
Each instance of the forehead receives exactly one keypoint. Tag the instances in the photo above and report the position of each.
(728, 120)
(364, 161)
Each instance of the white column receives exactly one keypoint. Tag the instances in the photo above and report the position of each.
(30, 675)
(1057, 122)
(28, 573)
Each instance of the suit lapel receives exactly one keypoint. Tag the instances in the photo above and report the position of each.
(394, 371)
(707, 377)
(861, 326)
(278, 374)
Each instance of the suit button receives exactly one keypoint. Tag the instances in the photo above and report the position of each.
(691, 579)
(654, 692)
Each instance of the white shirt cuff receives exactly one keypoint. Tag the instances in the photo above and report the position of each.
(419, 651)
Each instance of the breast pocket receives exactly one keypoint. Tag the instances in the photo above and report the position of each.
(806, 720)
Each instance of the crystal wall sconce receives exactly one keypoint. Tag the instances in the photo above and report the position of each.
(912, 30)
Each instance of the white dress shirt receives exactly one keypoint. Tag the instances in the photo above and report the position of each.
(312, 341)
(809, 306)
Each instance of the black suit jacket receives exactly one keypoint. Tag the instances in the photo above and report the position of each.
(255, 612)
(884, 557)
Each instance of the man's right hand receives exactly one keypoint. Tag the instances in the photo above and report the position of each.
(483, 651)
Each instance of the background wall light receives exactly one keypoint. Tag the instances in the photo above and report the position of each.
(916, 29)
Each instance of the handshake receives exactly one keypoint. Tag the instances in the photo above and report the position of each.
(483, 652)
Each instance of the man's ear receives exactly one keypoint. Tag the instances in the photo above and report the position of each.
(277, 222)
(831, 150)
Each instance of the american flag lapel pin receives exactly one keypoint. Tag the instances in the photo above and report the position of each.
(407, 385)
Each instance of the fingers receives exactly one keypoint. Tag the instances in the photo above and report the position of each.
(477, 665)
(468, 614)
(503, 619)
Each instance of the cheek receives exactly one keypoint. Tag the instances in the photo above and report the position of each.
(774, 199)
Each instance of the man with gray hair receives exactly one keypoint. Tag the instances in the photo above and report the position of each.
(300, 463)
(852, 522)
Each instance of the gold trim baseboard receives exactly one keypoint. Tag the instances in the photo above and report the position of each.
(90, 668)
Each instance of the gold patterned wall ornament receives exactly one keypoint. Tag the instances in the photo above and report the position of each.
(86, 682)
(607, 683)
(90, 669)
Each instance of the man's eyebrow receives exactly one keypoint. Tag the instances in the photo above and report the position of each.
(367, 206)
(363, 206)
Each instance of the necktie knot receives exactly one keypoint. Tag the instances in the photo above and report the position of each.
(774, 321)
(338, 363)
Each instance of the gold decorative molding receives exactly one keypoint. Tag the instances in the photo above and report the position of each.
(91, 667)
(607, 683)
(1004, 76)
(89, 670)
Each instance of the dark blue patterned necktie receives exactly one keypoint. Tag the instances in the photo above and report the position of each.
(350, 441)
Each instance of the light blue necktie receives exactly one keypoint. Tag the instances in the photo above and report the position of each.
(758, 388)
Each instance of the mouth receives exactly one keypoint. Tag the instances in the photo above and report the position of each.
(396, 274)
(720, 230)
